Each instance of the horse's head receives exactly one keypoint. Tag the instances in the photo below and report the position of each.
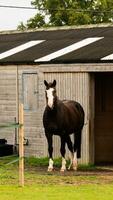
(50, 93)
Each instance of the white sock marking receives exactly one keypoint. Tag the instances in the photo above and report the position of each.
(50, 167)
(71, 160)
(63, 168)
(75, 161)
(75, 156)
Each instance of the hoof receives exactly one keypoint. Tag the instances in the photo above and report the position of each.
(50, 169)
(70, 167)
(62, 170)
(75, 166)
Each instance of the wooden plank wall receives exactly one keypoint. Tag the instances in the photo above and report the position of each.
(33, 117)
(70, 85)
(8, 110)
(73, 86)
(7, 101)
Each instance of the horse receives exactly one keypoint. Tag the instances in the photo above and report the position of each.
(62, 118)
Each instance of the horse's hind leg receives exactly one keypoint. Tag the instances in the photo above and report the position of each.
(77, 149)
(71, 149)
(79, 145)
(62, 150)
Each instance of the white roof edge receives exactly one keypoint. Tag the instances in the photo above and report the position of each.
(58, 28)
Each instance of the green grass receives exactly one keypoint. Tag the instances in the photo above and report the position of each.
(56, 192)
(42, 185)
(41, 162)
(32, 161)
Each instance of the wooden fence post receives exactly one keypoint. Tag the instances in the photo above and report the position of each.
(21, 145)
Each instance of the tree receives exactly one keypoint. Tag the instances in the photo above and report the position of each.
(36, 22)
(70, 12)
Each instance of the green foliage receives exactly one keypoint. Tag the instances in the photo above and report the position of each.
(69, 12)
(6, 160)
(36, 22)
(88, 167)
(41, 162)
(38, 162)
(34, 162)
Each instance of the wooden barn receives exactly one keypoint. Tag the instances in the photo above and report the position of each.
(81, 61)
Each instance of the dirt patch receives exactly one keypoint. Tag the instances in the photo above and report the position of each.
(101, 175)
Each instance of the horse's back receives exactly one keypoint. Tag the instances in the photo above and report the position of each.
(75, 110)
(67, 117)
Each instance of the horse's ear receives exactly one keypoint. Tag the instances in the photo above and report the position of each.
(46, 83)
(54, 83)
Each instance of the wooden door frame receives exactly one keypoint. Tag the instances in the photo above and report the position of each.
(92, 119)
(106, 75)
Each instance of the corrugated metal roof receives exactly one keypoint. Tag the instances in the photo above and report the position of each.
(58, 46)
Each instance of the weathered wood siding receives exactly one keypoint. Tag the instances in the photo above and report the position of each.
(30, 95)
(70, 85)
(28, 92)
(73, 82)
(74, 86)
(7, 101)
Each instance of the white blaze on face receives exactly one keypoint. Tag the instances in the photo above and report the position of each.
(50, 97)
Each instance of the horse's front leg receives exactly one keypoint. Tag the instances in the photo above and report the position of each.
(62, 150)
(50, 151)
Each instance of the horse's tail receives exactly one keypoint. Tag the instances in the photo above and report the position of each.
(77, 139)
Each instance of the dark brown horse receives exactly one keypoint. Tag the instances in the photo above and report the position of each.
(62, 118)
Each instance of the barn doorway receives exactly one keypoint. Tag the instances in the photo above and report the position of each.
(104, 118)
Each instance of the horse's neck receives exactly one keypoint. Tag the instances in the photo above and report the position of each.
(57, 104)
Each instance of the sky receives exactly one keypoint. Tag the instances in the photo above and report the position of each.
(10, 18)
